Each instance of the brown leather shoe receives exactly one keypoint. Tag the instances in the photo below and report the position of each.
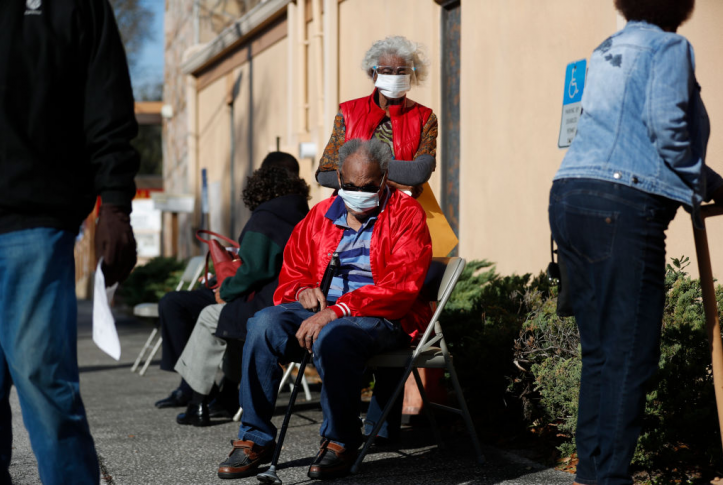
(332, 461)
(244, 459)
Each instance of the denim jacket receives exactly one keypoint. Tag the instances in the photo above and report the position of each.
(643, 122)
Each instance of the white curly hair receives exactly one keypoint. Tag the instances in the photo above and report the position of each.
(397, 45)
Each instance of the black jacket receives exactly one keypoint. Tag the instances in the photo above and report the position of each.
(66, 113)
(276, 220)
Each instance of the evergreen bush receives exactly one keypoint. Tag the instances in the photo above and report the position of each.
(481, 320)
(519, 365)
(148, 283)
(680, 425)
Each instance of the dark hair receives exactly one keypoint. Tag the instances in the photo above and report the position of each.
(271, 182)
(666, 14)
(283, 160)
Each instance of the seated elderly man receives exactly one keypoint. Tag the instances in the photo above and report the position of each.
(374, 305)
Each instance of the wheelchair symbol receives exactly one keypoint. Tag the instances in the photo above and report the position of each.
(572, 89)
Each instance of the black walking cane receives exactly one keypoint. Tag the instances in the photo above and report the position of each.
(269, 476)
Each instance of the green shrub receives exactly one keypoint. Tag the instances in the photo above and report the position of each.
(148, 283)
(481, 320)
(544, 348)
(681, 422)
(680, 426)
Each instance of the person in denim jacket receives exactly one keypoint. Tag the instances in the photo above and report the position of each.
(638, 155)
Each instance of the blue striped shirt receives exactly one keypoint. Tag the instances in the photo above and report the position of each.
(355, 269)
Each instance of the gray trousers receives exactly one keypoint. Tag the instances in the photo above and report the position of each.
(203, 354)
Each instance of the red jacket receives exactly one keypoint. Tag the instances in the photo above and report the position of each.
(400, 254)
(363, 115)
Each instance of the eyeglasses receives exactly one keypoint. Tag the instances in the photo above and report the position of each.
(366, 188)
(394, 70)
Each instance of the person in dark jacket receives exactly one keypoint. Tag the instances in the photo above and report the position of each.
(279, 202)
(179, 310)
(66, 121)
(278, 199)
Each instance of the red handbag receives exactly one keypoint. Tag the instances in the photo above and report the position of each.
(224, 263)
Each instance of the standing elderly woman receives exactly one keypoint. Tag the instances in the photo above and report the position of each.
(395, 64)
(409, 129)
(638, 155)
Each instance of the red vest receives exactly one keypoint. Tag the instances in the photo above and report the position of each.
(363, 115)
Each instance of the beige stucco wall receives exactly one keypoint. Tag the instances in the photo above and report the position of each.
(213, 146)
(260, 115)
(514, 54)
(704, 32)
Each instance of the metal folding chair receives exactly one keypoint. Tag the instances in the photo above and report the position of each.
(150, 310)
(430, 352)
(286, 378)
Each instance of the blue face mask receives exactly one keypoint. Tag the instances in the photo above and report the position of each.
(359, 201)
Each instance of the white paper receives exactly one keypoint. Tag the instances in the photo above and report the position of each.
(105, 334)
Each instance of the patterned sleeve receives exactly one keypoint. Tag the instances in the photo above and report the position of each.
(330, 158)
(428, 143)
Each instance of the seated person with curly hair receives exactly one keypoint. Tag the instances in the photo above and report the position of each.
(278, 199)
(278, 202)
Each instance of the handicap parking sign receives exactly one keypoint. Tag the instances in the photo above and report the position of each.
(572, 101)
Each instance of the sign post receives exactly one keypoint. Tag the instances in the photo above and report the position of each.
(572, 101)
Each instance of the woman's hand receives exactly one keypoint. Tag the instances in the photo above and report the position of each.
(309, 330)
(310, 298)
(718, 196)
(416, 190)
(217, 294)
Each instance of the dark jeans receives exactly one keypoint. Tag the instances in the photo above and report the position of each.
(340, 356)
(178, 312)
(386, 381)
(38, 353)
(612, 238)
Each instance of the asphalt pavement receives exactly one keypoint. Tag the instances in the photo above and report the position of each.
(140, 445)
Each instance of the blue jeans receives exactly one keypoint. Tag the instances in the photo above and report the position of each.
(612, 239)
(38, 353)
(340, 355)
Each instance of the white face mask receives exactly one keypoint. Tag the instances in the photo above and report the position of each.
(393, 86)
(359, 201)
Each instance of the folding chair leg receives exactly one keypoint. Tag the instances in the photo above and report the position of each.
(305, 385)
(380, 422)
(237, 416)
(143, 350)
(291, 381)
(286, 376)
(427, 408)
(151, 355)
(465, 413)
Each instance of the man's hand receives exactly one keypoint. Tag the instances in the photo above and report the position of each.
(309, 330)
(114, 241)
(217, 294)
(311, 298)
